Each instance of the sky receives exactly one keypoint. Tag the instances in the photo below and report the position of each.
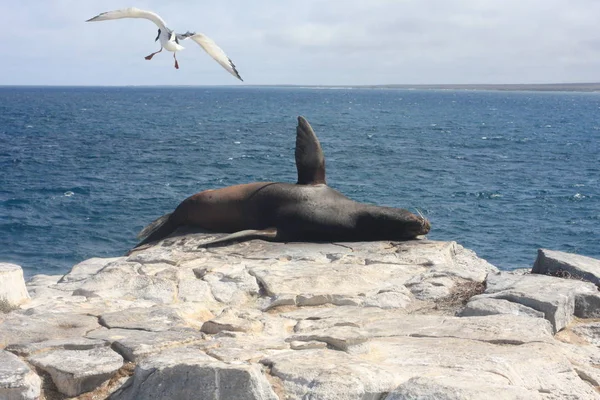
(305, 42)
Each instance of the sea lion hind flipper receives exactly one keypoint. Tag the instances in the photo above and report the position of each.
(310, 161)
(153, 226)
(270, 233)
(158, 229)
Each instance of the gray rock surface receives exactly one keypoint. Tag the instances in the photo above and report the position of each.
(187, 373)
(78, 371)
(553, 296)
(135, 344)
(575, 266)
(158, 318)
(74, 343)
(261, 320)
(87, 268)
(589, 331)
(457, 386)
(23, 328)
(479, 306)
(129, 280)
(12, 286)
(39, 286)
(17, 380)
(587, 305)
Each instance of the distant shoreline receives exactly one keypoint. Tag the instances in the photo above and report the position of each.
(541, 87)
(537, 87)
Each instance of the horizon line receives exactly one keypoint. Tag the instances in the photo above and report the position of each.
(564, 86)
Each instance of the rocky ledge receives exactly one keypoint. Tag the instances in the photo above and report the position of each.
(259, 320)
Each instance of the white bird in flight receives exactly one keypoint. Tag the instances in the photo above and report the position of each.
(169, 40)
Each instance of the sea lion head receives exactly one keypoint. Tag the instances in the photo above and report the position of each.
(387, 223)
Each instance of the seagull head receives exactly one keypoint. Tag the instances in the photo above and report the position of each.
(157, 36)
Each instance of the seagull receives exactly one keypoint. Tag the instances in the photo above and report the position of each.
(169, 40)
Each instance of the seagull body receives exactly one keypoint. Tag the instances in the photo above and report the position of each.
(169, 40)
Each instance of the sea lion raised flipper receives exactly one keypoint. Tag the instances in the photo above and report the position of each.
(247, 234)
(310, 161)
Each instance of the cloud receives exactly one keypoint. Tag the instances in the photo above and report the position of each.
(308, 42)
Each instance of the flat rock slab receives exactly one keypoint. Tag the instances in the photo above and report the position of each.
(242, 348)
(555, 297)
(558, 263)
(450, 385)
(188, 374)
(20, 328)
(330, 374)
(74, 343)
(40, 285)
(229, 282)
(158, 318)
(430, 270)
(579, 343)
(479, 306)
(236, 346)
(338, 337)
(134, 345)
(500, 329)
(261, 320)
(78, 371)
(536, 368)
(589, 331)
(17, 380)
(374, 323)
(13, 291)
(87, 268)
(274, 252)
(129, 281)
(330, 315)
(315, 284)
(47, 303)
(233, 321)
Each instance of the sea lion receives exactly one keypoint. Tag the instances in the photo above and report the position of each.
(306, 211)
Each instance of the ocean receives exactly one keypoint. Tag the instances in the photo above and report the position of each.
(83, 169)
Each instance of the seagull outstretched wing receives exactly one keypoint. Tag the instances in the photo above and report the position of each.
(130, 13)
(204, 41)
(214, 51)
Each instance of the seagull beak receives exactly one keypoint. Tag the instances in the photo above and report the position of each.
(157, 36)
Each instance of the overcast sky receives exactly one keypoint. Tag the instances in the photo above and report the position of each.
(322, 42)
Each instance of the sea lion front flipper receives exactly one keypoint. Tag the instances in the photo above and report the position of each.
(247, 234)
(310, 160)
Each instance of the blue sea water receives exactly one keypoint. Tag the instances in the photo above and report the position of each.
(82, 170)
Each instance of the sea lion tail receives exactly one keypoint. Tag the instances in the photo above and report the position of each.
(153, 226)
(157, 230)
